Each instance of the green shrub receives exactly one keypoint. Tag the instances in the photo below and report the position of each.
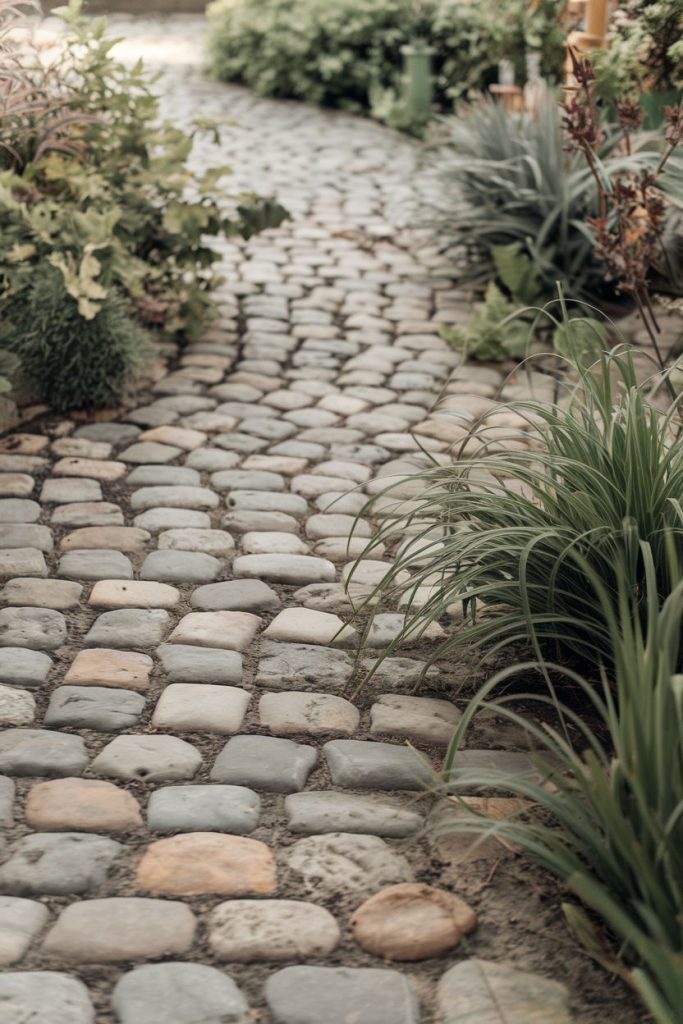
(499, 329)
(644, 51)
(68, 360)
(514, 183)
(610, 828)
(470, 39)
(336, 53)
(312, 50)
(90, 175)
(507, 530)
(495, 332)
(9, 364)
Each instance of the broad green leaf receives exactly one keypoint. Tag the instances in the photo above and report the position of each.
(518, 273)
(80, 283)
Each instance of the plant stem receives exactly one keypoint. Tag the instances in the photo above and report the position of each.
(648, 316)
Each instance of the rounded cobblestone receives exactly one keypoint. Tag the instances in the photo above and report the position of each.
(253, 930)
(309, 995)
(212, 808)
(411, 921)
(178, 993)
(58, 864)
(87, 805)
(120, 929)
(207, 863)
(44, 997)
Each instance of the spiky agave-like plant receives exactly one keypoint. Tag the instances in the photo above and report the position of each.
(509, 180)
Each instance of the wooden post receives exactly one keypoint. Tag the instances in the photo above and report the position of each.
(596, 19)
(593, 37)
(509, 96)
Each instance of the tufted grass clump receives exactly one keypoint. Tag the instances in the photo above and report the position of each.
(70, 361)
(509, 532)
(610, 824)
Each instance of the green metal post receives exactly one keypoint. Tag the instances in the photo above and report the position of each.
(417, 63)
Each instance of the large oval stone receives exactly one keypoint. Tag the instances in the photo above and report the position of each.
(411, 922)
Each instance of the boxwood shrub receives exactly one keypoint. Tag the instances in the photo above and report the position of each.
(333, 53)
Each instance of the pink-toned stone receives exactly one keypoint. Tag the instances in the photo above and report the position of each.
(114, 538)
(313, 714)
(231, 631)
(201, 707)
(204, 863)
(23, 444)
(411, 921)
(287, 465)
(454, 847)
(178, 437)
(64, 805)
(97, 469)
(133, 594)
(444, 428)
(101, 666)
(307, 626)
(205, 374)
(16, 485)
(201, 359)
(79, 513)
(80, 447)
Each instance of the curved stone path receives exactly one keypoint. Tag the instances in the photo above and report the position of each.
(202, 827)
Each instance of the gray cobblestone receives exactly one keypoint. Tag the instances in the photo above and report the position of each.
(309, 995)
(41, 752)
(213, 808)
(39, 629)
(23, 667)
(185, 663)
(264, 762)
(178, 993)
(94, 707)
(58, 864)
(44, 997)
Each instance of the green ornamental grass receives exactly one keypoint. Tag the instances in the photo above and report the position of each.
(610, 827)
(507, 532)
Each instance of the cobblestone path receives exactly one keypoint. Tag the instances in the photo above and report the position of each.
(202, 827)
